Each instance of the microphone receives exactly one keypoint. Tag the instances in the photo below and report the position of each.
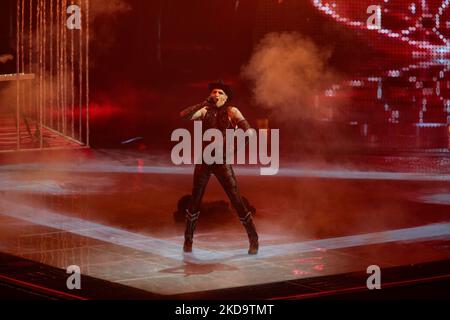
(212, 100)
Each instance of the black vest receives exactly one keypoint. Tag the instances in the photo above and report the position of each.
(217, 118)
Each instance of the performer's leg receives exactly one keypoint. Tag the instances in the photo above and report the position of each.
(226, 177)
(201, 178)
(202, 174)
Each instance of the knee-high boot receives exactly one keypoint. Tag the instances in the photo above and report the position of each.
(249, 226)
(191, 223)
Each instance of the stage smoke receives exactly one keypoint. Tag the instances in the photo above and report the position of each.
(103, 18)
(4, 58)
(289, 75)
(110, 8)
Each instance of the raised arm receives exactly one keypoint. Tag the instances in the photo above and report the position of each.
(194, 112)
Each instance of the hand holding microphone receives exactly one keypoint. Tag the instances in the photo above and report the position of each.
(211, 100)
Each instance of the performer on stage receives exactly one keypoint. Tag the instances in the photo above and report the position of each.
(217, 113)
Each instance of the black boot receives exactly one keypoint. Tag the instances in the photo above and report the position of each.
(247, 221)
(191, 223)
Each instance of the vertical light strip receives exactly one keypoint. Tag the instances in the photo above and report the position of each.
(87, 73)
(44, 65)
(80, 75)
(51, 102)
(72, 77)
(58, 62)
(30, 61)
(64, 65)
(41, 82)
(22, 57)
(18, 72)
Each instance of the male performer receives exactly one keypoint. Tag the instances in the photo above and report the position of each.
(216, 113)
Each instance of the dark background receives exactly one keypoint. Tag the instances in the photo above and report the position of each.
(149, 62)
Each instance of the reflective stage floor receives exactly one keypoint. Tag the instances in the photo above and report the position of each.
(113, 214)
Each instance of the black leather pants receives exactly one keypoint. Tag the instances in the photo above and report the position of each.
(227, 179)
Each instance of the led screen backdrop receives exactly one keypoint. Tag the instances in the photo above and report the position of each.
(345, 76)
(402, 97)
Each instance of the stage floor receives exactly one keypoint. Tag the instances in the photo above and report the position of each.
(113, 215)
(29, 135)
